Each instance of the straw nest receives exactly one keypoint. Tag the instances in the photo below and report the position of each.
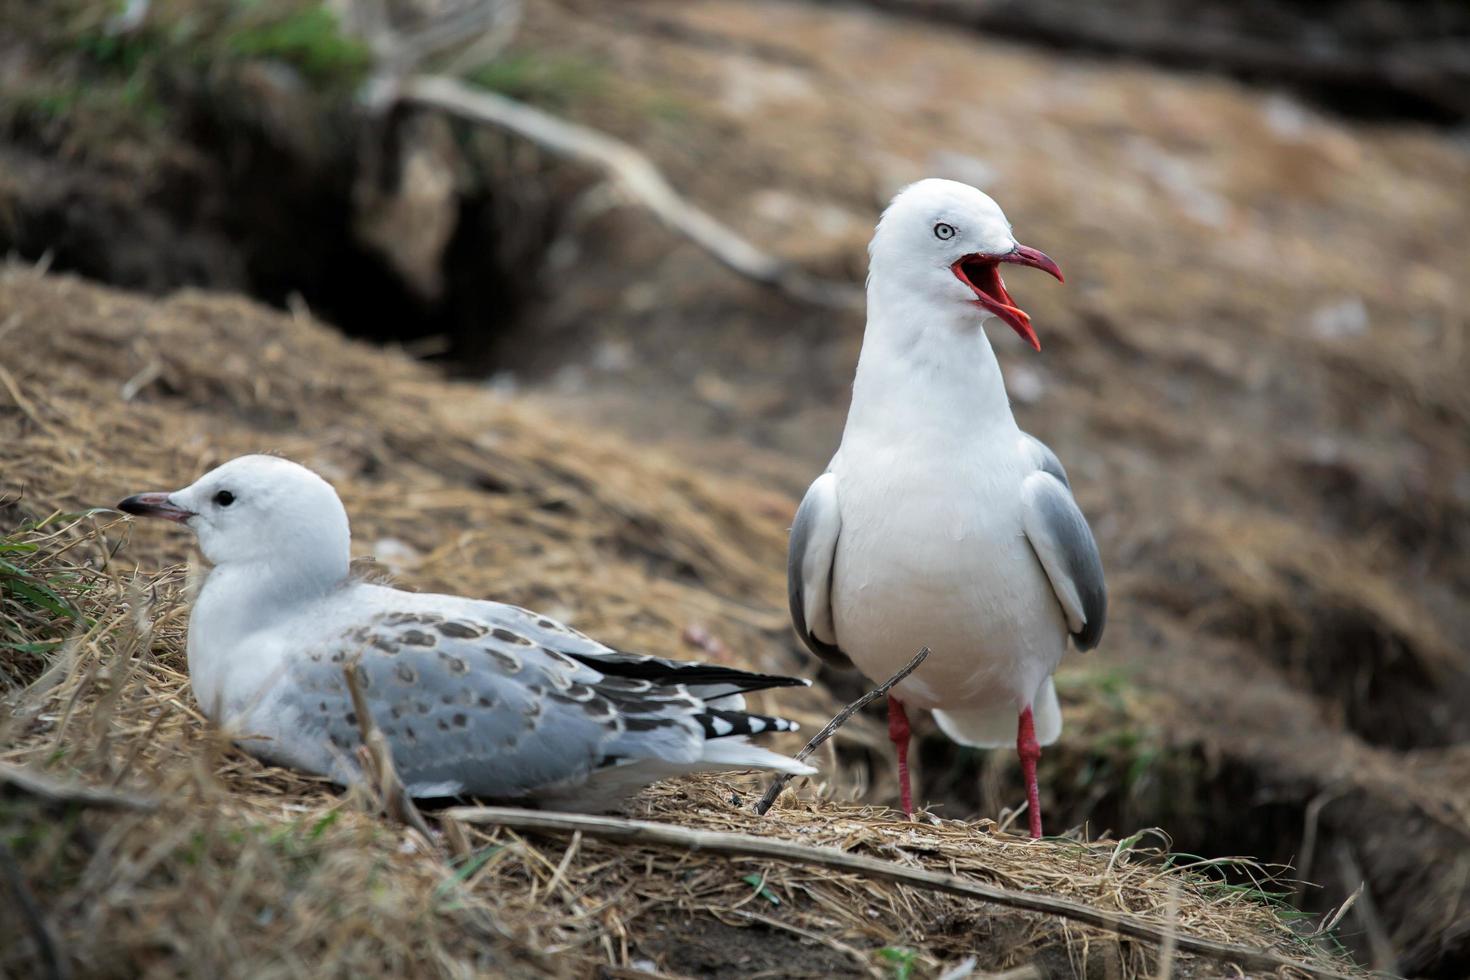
(190, 858)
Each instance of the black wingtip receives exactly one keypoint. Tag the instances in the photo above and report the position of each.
(687, 672)
(771, 680)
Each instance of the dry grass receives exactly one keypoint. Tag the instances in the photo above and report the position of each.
(247, 870)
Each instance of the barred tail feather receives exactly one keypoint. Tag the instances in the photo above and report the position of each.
(722, 724)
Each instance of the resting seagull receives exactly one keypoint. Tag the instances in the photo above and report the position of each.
(940, 523)
(475, 698)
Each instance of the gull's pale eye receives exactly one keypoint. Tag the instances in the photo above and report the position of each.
(944, 232)
(224, 498)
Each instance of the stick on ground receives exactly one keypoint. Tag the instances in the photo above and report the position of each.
(779, 783)
(636, 176)
(746, 845)
(60, 792)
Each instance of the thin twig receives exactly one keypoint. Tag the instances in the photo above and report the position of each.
(1380, 946)
(459, 844)
(1171, 937)
(779, 783)
(56, 791)
(636, 175)
(565, 862)
(1311, 821)
(377, 758)
(746, 845)
(1330, 923)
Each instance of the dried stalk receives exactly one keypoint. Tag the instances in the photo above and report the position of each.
(745, 845)
(636, 176)
(779, 783)
(59, 792)
(376, 758)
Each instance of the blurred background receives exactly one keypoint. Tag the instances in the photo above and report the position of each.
(1256, 374)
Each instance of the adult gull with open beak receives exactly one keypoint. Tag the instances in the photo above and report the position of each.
(940, 523)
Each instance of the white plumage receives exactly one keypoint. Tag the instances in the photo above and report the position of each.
(939, 523)
(474, 697)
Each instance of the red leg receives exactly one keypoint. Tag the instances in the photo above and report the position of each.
(898, 731)
(1030, 752)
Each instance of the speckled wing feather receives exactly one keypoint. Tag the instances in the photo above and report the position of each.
(478, 704)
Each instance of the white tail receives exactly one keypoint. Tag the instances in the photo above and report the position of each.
(996, 728)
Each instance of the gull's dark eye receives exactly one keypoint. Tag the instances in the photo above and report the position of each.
(224, 498)
(944, 232)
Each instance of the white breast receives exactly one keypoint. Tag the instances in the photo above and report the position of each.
(932, 553)
(241, 641)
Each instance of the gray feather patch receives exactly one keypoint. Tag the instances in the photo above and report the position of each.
(1063, 543)
(498, 702)
(1046, 461)
(813, 548)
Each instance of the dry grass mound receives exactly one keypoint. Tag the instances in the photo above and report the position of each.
(191, 858)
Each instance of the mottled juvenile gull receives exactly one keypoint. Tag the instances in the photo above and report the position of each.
(940, 523)
(475, 698)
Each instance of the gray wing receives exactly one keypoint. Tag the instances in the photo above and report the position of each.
(809, 559)
(1044, 459)
(1063, 543)
(470, 706)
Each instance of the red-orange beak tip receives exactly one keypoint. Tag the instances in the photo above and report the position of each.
(1036, 259)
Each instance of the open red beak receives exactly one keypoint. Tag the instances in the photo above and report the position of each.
(155, 505)
(982, 274)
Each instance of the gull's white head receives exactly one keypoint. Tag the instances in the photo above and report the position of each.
(260, 510)
(945, 240)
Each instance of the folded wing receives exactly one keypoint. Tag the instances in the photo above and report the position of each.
(1063, 543)
(470, 704)
(809, 560)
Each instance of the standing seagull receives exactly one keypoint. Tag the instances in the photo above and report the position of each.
(940, 523)
(474, 698)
